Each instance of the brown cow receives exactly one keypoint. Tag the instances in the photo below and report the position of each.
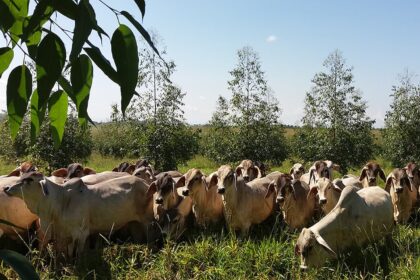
(207, 204)
(245, 204)
(403, 194)
(172, 210)
(248, 170)
(369, 173)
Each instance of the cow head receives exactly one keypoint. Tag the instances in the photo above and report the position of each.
(248, 170)
(325, 188)
(313, 250)
(322, 169)
(370, 172)
(397, 181)
(25, 167)
(165, 191)
(413, 173)
(145, 173)
(28, 186)
(227, 179)
(195, 181)
(297, 171)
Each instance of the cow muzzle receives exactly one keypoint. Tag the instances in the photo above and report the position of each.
(398, 190)
(372, 180)
(185, 192)
(159, 200)
(246, 178)
(280, 199)
(322, 201)
(221, 190)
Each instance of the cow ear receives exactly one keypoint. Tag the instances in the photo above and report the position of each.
(258, 171)
(338, 186)
(363, 174)
(388, 183)
(180, 183)
(115, 169)
(151, 190)
(14, 173)
(311, 174)
(336, 167)
(203, 179)
(324, 244)
(312, 192)
(62, 172)
(88, 171)
(213, 180)
(130, 169)
(382, 174)
(291, 171)
(238, 171)
(271, 189)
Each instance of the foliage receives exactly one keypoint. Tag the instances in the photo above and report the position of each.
(402, 123)
(20, 264)
(46, 49)
(335, 124)
(247, 125)
(75, 147)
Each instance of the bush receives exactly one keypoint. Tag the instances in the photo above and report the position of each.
(76, 145)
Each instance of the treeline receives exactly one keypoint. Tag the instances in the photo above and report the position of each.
(335, 124)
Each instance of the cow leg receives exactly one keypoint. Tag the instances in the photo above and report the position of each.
(81, 241)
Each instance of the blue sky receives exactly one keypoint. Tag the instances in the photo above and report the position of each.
(378, 38)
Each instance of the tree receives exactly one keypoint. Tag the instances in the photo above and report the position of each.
(46, 49)
(335, 124)
(401, 136)
(251, 116)
(156, 119)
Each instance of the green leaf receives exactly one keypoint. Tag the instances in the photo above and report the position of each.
(19, 87)
(67, 8)
(142, 6)
(6, 57)
(19, 9)
(125, 54)
(32, 44)
(103, 64)
(81, 80)
(49, 64)
(37, 116)
(142, 31)
(57, 112)
(6, 19)
(20, 264)
(43, 11)
(85, 20)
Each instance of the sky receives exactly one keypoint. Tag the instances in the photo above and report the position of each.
(293, 38)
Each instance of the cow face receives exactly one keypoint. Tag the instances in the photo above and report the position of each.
(75, 170)
(226, 179)
(280, 187)
(370, 172)
(144, 173)
(248, 170)
(165, 191)
(27, 186)
(325, 190)
(297, 171)
(194, 182)
(397, 181)
(312, 249)
(413, 173)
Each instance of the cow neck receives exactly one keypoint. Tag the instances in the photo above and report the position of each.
(44, 205)
(200, 197)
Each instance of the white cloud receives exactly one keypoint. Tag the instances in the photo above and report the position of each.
(271, 39)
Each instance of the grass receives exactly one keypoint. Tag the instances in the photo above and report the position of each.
(215, 254)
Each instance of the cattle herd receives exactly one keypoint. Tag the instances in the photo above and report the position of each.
(76, 203)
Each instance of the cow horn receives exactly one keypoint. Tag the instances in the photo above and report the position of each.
(324, 244)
